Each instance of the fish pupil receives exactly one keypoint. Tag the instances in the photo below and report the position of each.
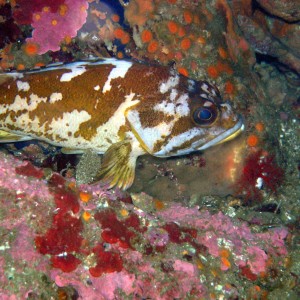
(205, 114)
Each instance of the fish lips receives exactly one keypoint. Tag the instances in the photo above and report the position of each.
(224, 137)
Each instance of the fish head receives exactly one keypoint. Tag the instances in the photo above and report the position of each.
(212, 120)
(191, 116)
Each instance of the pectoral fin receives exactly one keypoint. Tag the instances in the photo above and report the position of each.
(118, 165)
(7, 137)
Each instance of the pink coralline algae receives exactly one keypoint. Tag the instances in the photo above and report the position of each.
(26, 8)
(218, 231)
(52, 27)
(9, 168)
(121, 250)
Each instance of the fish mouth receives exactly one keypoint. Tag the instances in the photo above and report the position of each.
(227, 135)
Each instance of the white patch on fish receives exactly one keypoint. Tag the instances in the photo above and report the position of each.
(169, 84)
(120, 70)
(76, 70)
(54, 97)
(108, 132)
(179, 107)
(20, 104)
(149, 135)
(177, 141)
(58, 126)
(23, 86)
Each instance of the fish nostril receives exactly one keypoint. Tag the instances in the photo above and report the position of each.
(224, 108)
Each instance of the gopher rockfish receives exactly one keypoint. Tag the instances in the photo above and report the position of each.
(118, 108)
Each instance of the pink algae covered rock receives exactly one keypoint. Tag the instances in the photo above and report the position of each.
(24, 241)
(51, 28)
(103, 287)
(139, 277)
(10, 180)
(139, 250)
(258, 259)
(216, 231)
(26, 8)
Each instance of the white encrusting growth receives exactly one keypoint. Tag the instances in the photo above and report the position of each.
(23, 86)
(97, 88)
(54, 97)
(259, 183)
(120, 70)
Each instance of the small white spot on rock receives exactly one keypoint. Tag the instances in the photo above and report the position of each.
(259, 183)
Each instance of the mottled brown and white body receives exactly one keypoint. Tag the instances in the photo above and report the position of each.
(119, 108)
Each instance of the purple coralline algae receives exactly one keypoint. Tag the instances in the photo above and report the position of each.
(52, 28)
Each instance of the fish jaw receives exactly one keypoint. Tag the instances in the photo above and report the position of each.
(226, 136)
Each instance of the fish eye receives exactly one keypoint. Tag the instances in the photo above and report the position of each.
(205, 115)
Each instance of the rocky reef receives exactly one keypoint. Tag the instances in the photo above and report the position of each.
(222, 224)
